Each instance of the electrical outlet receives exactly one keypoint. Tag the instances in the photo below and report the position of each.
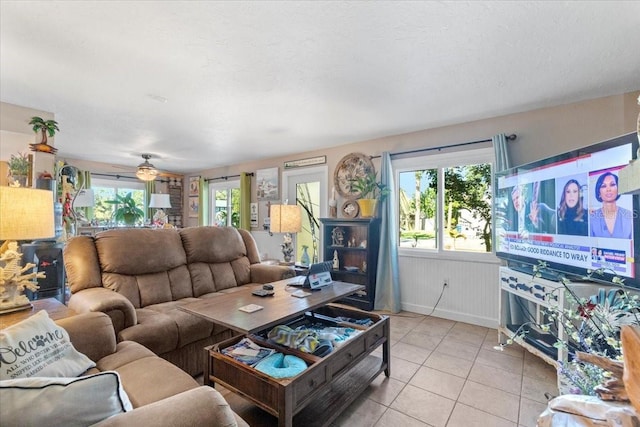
(446, 282)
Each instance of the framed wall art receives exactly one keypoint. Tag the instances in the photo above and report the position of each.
(194, 204)
(267, 184)
(194, 186)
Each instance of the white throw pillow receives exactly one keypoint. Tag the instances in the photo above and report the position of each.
(40, 401)
(38, 347)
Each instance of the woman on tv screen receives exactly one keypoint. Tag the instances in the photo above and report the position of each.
(572, 217)
(610, 220)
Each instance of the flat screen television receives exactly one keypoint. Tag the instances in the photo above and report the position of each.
(566, 211)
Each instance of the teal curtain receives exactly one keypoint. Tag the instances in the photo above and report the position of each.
(150, 188)
(501, 152)
(203, 202)
(388, 274)
(245, 201)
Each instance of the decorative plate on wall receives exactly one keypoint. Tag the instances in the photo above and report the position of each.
(351, 167)
(350, 209)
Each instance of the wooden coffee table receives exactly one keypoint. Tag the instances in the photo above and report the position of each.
(52, 306)
(224, 309)
(329, 384)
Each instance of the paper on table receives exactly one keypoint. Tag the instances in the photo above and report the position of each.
(250, 308)
(300, 293)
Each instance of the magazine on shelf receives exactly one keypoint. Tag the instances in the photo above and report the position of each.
(247, 352)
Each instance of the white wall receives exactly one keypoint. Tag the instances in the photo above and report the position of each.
(473, 292)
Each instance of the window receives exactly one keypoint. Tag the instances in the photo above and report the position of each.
(225, 204)
(106, 189)
(444, 201)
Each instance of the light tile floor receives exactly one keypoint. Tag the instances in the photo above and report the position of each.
(443, 374)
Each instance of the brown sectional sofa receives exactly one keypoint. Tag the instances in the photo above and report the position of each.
(140, 278)
(160, 393)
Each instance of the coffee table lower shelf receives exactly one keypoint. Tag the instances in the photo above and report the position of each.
(337, 397)
(319, 394)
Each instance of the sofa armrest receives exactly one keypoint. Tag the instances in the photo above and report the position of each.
(202, 406)
(116, 306)
(91, 334)
(265, 273)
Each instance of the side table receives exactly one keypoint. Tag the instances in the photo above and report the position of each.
(55, 308)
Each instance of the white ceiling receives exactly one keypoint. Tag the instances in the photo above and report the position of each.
(249, 80)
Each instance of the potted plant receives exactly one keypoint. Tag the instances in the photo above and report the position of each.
(126, 209)
(19, 168)
(371, 190)
(49, 127)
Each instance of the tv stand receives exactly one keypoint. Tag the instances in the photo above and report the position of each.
(524, 298)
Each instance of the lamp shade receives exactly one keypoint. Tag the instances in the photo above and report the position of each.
(286, 218)
(26, 214)
(84, 199)
(159, 200)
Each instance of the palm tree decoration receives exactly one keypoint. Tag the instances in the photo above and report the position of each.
(45, 127)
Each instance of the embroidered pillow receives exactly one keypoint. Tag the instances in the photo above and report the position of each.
(65, 402)
(38, 347)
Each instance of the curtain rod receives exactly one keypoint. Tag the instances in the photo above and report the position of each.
(116, 176)
(227, 177)
(511, 137)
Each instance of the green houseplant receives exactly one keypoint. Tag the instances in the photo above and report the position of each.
(371, 190)
(126, 209)
(46, 127)
(19, 168)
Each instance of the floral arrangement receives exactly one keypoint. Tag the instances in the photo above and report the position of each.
(592, 325)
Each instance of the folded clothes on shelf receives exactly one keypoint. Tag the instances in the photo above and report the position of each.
(317, 339)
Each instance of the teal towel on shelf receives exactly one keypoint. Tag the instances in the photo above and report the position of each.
(280, 366)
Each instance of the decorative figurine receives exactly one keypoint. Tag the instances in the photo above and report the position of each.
(336, 262)
(337, 236)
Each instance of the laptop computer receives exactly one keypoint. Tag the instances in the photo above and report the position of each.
(317, 276)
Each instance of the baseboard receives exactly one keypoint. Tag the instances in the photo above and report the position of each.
(452, 315)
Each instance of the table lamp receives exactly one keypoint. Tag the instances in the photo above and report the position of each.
(159, 201)
(25, 214)
(286, 219)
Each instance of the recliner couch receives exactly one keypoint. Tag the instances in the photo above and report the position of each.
(160, 393)
(140, 278)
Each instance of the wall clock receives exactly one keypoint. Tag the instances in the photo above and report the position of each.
(351, 167)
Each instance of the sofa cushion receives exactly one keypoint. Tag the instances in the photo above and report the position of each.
(212, 245)
(86, 274)
(139, 251)
(198, 407)
(37, 346)
(156, 331)
(191, 328)
(151, 379)
(40, 401)
(126, 352)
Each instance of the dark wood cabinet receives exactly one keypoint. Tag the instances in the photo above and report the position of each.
(355, 243)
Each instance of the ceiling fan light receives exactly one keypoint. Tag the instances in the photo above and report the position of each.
(146, 171)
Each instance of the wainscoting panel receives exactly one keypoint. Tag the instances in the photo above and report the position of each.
(471, 296)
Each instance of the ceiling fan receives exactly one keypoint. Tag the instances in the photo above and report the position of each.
(146, 171)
